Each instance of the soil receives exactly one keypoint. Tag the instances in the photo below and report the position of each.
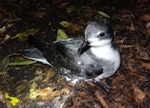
(38, 86)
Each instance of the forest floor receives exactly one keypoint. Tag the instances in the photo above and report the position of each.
(36, 85)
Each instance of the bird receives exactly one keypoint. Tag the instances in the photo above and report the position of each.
(91, 57)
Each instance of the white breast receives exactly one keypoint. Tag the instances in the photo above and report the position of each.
(108, 53)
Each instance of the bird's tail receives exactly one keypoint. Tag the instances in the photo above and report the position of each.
(37, 43)
(34, 54)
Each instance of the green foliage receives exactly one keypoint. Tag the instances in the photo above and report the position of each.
(61, 34)
(72, 8)
(103, 14)
(21, 62)
(26, 33)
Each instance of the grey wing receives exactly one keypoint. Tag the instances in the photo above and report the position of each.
(63, 53)
(59, 53)
(71, 44)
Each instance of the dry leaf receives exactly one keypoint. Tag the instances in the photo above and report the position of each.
(49, 74)
(143, 55)
(139, 94)
(146, 65)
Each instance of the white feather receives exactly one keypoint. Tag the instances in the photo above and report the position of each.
(108, 53)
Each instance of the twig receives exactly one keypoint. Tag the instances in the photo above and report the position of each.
(101, 100)
(128, 46)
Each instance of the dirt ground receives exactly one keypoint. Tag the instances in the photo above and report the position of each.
(38, 86)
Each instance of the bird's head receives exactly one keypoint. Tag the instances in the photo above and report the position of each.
(97, 34)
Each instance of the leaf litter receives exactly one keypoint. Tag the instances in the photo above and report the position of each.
(130, 85)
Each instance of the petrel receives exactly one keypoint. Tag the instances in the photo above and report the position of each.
(90, 58)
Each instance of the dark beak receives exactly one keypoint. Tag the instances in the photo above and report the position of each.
(84, 46)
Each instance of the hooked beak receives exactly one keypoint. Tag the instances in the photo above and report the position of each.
(84, 46)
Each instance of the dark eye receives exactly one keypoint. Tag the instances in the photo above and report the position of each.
(102, 34)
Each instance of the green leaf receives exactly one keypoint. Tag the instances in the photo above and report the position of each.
(103, 14)
(71, 9)
(61, 34)
(64, 24)
(13, 100)
(21, 62)
(26, 33)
